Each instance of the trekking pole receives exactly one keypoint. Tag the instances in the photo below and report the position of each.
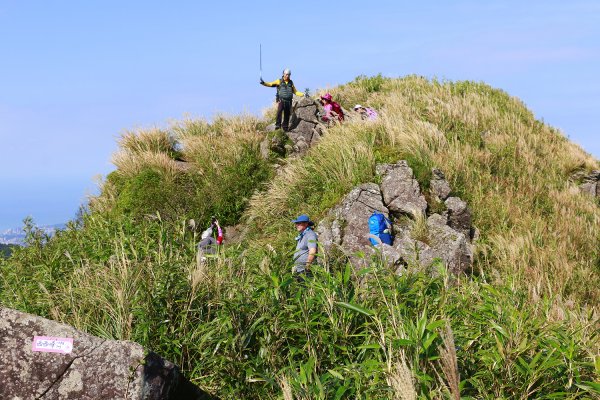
(260, 55)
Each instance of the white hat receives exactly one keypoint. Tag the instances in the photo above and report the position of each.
(358, 106)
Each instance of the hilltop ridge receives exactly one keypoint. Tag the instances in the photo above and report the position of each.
(239, 325)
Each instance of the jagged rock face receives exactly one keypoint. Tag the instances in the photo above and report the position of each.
(305, 109)
(447, 236)
(305, 128)
(459, 216)
(95, 368)
(401, 192)
(451, 247)
(347, 225)
(439, 185)
(591, 184)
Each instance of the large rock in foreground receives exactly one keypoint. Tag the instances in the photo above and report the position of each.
(95, 368)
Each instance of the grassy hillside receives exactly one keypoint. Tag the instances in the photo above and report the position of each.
(523, 324)
(511, 169)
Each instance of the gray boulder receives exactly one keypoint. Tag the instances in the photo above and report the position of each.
(346, 226)
(401, 192)
(273, 145)
(414, 253)
(591, 184)
(265, 152)
(442, 237)
(300, 146)
(439, 185)
(449, 245)
(95, 368)
(442, 243)
(459, 216)
(304, 109)
(304, 124)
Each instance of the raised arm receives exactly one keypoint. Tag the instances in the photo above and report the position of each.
(271, 84)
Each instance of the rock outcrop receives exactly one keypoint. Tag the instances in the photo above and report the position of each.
(401, 192)
(418, 241)
(459, 216)
(588, 182)
(347, 223)
(95, 368)
(440, 187)
(591, 184)
(305, 127)
(273, 144)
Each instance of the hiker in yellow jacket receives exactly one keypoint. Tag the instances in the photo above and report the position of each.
(285, 92)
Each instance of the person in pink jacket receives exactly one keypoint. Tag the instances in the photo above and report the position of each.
(331, 108)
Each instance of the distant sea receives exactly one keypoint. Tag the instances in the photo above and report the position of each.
(17, 235)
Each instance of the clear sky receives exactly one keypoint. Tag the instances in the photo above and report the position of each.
(75, 74)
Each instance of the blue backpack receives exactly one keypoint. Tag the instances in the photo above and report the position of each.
(381, 227)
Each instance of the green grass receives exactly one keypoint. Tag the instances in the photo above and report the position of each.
(241, 327)
(222, 169)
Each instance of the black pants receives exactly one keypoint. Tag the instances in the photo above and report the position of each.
(302, 276)
(285, 107)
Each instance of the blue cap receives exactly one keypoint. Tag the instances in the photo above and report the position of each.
(302, 218)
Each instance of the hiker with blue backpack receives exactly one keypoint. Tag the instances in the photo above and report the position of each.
(307, 246)
(380, 229)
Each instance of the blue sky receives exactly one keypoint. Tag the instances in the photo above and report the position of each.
(74, 75)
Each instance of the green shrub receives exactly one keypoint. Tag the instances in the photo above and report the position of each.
(370, 83)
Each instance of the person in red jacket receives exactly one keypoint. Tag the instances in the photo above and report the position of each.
(208, 244)
(331, 108)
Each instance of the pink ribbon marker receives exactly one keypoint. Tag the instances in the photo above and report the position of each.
(50, 344)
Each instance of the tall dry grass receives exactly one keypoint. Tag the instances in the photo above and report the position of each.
(327, 171)
(147, 140)
(400, 379)
(130, 164)
(449, 363)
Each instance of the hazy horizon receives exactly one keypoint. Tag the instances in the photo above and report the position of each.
(76, 75)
